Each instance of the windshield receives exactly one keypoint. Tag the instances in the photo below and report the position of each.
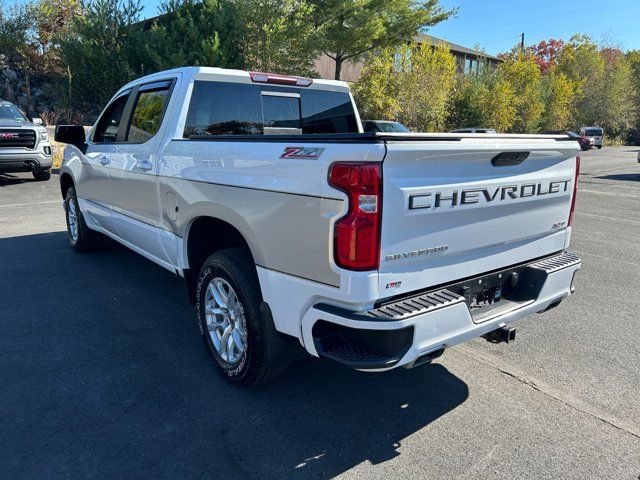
(393, 127)
(593, 132)
(10, 112)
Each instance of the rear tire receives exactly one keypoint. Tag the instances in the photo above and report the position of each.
(228, 306)
(81, 238)
(599, 147)
(42, 175)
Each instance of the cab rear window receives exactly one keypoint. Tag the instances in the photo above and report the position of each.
(593, 132)
(220, 108)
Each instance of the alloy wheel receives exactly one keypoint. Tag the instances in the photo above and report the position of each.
(225, 319)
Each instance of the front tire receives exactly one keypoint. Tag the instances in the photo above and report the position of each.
(228, 303)
(81, 238)
(42, 175)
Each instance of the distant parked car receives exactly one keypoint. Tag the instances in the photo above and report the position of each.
(585, 142)
(474, 130)
(24, 144)
(386, 126)
(595, 133)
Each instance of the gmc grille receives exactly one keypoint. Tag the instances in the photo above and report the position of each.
(12, 137)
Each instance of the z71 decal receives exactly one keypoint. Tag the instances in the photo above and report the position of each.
(306, 153)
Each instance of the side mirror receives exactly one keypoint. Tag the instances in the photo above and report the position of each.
(71, 134)
(37, 121)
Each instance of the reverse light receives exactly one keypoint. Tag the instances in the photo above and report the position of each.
(276, 79)
(357, 234)
(575, 191)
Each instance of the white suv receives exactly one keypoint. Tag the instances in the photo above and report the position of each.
(24, 144)
(594, 134)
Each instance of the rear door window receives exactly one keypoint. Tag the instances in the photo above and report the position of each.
(219, 108)
(327, 112)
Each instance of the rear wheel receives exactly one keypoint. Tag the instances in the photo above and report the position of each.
(599, 147)
(228, 302)
(42, 175)
(81, 238)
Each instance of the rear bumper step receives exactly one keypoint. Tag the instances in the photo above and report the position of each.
(402, 332)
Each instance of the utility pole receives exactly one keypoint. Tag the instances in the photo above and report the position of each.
(522, 42)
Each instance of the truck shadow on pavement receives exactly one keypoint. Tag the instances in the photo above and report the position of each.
(7, 179)
(105, 375)
(626, 177)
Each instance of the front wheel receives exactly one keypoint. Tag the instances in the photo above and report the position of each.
(228, 302)
(81, 238)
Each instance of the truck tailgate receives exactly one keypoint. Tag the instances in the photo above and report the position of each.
(459, 207)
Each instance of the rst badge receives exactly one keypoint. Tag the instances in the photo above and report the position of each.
(304, 153)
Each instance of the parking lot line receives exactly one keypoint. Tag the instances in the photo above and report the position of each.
(13, 205)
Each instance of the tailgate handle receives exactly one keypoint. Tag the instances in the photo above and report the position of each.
(506, 159)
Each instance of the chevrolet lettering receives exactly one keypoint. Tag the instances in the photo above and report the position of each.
(471, 196)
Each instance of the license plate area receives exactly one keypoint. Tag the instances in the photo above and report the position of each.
(499, 292)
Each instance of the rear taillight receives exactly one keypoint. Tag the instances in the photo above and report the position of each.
(575, 191)
(357, 234)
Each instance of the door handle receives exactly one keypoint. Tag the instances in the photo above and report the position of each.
(104, 160)
(144, 165)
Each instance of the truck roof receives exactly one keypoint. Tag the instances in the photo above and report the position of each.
(229, 75)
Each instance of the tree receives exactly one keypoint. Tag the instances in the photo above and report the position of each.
(522, 74)
(193, 33)
(427, 80)
(51, 19)
(377, 91)
(349, 29)
(546, 53)
(558, 93)
(411, 84)
(99, 49)
(620, 109)
(278, 36)
(633, 58)
(581, 62)
(19, 51)
(497, 104)
(466, 98)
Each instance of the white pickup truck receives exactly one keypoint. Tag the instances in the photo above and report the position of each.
(295, 231)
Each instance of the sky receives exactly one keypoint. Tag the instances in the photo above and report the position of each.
(496, 25)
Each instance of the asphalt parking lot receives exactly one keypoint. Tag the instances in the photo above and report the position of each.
(103, 372)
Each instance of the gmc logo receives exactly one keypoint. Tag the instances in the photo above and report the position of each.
(7, 136)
